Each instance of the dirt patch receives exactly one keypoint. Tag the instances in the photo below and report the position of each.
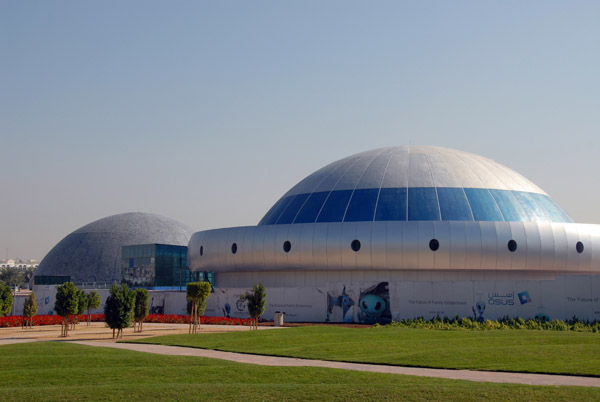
(98, 331)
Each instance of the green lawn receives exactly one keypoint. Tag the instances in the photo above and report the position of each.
(61, 371)
(510, 350)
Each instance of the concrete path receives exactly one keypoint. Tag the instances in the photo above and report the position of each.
(468, 375)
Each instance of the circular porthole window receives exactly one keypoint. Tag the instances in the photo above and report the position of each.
(512, 246)
(287, 246)
(434, 245)
(234, 248)
(579, 247)
(201, 251)
(355, 245)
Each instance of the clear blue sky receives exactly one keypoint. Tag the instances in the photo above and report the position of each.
(208, 111)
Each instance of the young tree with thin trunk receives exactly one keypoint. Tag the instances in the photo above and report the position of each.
(197, 293)
(29, 310)
(66, 305)
(81, 307)
(118, 309)
(93, 303)
(141, 308)
(256, 300)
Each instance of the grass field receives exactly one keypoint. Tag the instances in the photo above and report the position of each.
(555, 352)
(52, 371)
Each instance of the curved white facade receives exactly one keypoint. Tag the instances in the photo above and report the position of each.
(549, 247)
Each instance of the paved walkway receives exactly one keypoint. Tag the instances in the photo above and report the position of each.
(468, 375)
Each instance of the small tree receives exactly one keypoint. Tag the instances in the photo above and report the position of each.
(256, 300)
(197, 293)
(6, 300)
(93, 303)
(141, 308)
(118, 309)
(82, 306)
(67, 302)
(29, 310)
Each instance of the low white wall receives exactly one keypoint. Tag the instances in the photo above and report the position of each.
(561, 298)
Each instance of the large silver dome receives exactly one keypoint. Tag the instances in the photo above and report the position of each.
(414, 183)
(92, 253)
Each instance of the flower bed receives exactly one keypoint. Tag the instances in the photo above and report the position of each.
(185, 319)
(17, 320)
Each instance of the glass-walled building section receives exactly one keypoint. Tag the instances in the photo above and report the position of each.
(171, 266)
(155, 266)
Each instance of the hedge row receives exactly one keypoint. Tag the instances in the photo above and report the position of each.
(505, 323)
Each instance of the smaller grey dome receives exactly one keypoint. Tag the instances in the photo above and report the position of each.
(92, 253)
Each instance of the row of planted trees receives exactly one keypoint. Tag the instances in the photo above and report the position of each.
(70, 302)
(125, 306)
(122, 307)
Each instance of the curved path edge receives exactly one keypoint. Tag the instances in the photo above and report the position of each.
(467, 375)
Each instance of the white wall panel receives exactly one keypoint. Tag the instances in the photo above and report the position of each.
(305, 247)
(348, 234)
(560, 243)
(534, 246)
(363, 234)
(585, 258)
(503, 235)
(293, 256)
(334, 234)
(548, 247)
(519, 257)
(269, 245)
(473, 245)
(572, 239)
(441, 257)
(378, 244)
(489, 245)
(457, 245)
(281, 257)
(394, 245)
(425, 255)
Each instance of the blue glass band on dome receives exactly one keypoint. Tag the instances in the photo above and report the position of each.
(415, 204)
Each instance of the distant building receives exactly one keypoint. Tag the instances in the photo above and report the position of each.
(91, 255)
(22, 264)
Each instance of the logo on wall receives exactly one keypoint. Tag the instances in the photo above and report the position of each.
(524, 297)
(240, 304)
(501, 300)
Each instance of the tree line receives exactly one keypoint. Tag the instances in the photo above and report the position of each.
(12, 276)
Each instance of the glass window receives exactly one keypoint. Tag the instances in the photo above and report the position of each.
(553, 212)
(483, 205)
(362, 205)
(271, 217)
(391, 205)
(532, 210)
(290, 212)
(335, 206)
(454, 205)
(311, 208)
(423, 204)
(511, 209)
